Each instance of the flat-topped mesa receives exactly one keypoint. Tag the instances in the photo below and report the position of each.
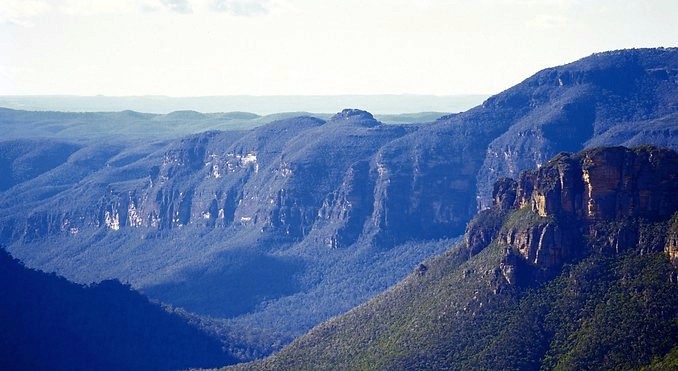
(355, 117)
(603, 184)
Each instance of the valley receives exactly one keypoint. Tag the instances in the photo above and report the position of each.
(539, 281)
(261, 227)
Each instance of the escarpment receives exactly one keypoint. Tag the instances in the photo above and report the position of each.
(603, 199)
(603, 184)
(350, 178)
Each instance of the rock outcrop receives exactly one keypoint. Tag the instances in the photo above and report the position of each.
(671, 247)
(601, 198)
(603, 184)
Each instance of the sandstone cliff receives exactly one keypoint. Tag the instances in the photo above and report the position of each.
(605, 199)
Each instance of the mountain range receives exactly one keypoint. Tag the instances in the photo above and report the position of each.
(129, 127)
(264, 233)
(382, 105)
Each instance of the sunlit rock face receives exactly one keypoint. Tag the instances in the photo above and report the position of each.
(603, 184)
(606, 195)
(671, 247)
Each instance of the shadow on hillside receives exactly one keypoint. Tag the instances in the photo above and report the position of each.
(234, 284)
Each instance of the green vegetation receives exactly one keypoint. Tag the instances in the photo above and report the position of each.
(524, 218)
(668, 362)
(611, 311)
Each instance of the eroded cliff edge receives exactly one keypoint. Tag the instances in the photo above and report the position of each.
(602, 199)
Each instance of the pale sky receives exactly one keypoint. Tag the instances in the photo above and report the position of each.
(309, 47)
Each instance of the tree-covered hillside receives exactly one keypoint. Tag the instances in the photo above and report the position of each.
(48, 323)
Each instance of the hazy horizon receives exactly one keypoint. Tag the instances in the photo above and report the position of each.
(261, 105)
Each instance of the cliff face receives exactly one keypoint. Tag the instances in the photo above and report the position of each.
(599, 198)
(282, 181)
(605, 184)
(671, 247)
